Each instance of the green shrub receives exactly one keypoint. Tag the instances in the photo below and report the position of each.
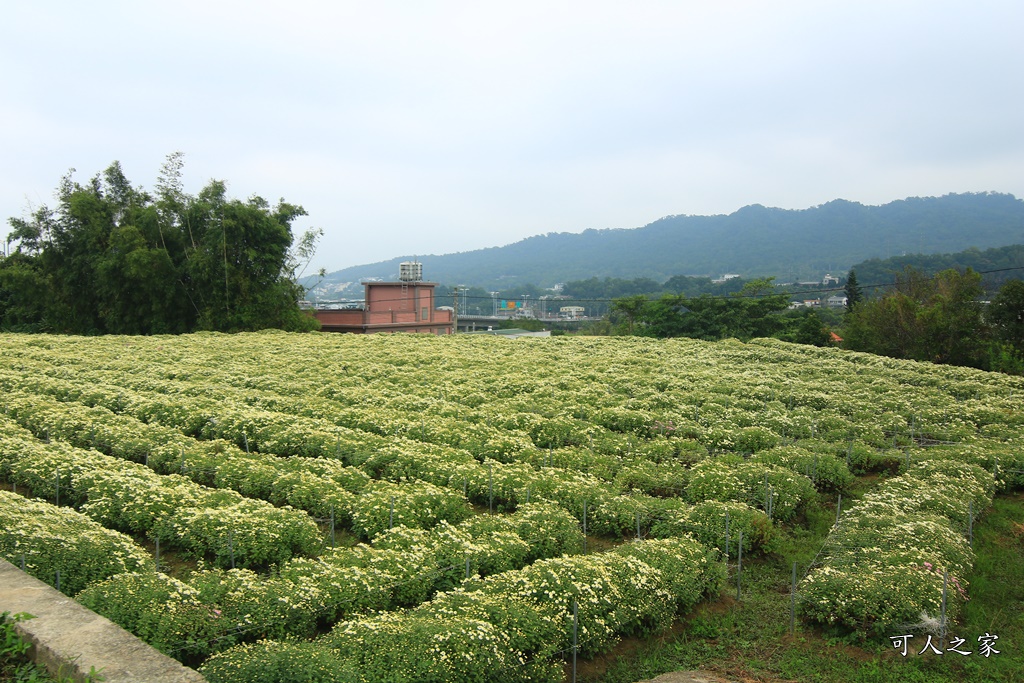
(278, 662)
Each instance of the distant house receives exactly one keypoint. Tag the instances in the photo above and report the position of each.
(404, 306)
(571, 312)
(725, 278)
(836, 301)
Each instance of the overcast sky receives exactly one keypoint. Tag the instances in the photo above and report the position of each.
(432, 127)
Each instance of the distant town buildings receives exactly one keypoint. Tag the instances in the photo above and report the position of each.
(571, 312)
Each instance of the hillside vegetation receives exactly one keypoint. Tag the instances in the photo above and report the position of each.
(754, 241)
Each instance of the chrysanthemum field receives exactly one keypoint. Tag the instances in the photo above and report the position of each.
(276, 507)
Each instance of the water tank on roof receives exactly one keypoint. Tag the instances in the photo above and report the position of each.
(410, 271)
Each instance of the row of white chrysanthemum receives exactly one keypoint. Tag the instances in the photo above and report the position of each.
(900, 558)
(420, 488)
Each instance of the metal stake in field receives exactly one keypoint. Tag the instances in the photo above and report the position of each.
(575, 626)
(58, 488)
(942, 624)
(970, 522)
(792, 603)
(391, 518)
(739, 566)
(726, 535)
(584, 527)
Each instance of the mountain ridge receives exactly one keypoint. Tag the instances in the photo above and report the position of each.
(754, 241)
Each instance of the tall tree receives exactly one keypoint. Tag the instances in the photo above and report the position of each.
(111, 258)
(853, 292)
(923, 318)
(750, 313)
(1006, 313)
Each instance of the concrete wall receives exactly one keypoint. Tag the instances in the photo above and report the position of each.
(69, 639)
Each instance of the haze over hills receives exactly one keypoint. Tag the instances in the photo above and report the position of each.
(754, 241)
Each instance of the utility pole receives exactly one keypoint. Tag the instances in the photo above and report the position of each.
(455, 315)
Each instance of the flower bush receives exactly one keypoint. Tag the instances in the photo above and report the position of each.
(272, 661)
(414, 504)
(164, 612)
(713, 523)
(54, 539)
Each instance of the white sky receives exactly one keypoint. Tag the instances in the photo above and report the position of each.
(431, 127)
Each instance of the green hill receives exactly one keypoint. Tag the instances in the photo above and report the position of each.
(1007, 262)
(753, 241)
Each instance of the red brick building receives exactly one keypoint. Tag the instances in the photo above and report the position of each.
(404, 306)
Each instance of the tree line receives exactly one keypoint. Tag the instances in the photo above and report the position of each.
(111, 258)
(941, 318)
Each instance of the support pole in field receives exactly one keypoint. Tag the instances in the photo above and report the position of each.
(726, 535)
(792, 603)
(391, 517)
(839, 508)
(767, 497)
(584, 527)
(58, 579)
(245, 437)
(467, 566)
(182, 459)
(739, 567)
(638, 525)
(942, 623)
(332, 527)
(575, 644)
(231, 546)
(970, 522)
(58, 487)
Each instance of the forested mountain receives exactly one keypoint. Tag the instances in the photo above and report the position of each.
(753, 241)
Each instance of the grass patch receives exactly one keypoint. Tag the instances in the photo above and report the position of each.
(749, 639)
